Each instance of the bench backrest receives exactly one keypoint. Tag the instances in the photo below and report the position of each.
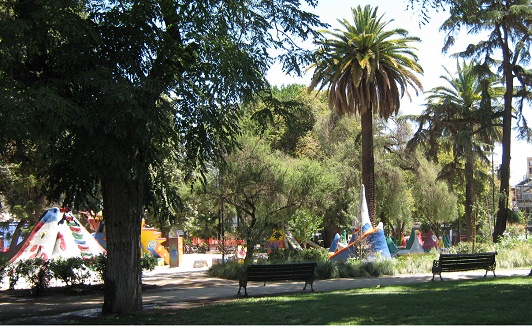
(297, 271)
(464, 262)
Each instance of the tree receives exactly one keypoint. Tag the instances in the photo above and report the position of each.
(461, 118)
(367, 70)
(394, 174)
(284, 115)
(434, 203)
(106, 91)
(266, 189)
(508, 24)
(334, 143)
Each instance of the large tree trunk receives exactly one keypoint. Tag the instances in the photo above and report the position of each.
(470, 195)
(123, 210)
(502, 213)
(368, 163)
(504, 192)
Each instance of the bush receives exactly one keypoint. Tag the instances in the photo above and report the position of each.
(279, 256)
(71, 271)
(97, 264)
(311, 255)
(276, 256)
(342, 269)
(512, 252)
(325, 270)
(415, 263)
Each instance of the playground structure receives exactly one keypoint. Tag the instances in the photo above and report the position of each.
(150, 238)
(58, 234)
(363, 232)
(151, 241)
(283, 239)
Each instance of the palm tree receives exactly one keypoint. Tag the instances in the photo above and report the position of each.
(460, 118)
(367, 70)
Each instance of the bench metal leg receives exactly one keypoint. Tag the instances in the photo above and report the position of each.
(435, 275)
(245, 289)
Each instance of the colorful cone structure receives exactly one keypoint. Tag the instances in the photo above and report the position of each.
(334, 244)
(430, 242)
(411, 239)
(375, 236)
(416, 247)
(150, 238)
(391, 246)
(59, 235)
(97, 226)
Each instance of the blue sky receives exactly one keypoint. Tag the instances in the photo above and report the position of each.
(429, 53)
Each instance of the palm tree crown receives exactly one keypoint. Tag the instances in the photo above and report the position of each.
(365, 66)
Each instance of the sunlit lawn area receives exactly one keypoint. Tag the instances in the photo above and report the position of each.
(504, 300)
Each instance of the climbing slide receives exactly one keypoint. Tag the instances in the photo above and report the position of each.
(348, 250)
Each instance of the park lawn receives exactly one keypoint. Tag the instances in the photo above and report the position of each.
(503, 300)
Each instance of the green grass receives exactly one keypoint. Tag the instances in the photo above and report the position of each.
(503, 300)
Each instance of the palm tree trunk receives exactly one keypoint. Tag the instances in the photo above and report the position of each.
(470, 194)
(368, 163)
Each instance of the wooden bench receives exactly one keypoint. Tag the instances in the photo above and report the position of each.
(464, 262)
(278, 272)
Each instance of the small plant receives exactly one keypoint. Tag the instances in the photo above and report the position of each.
(14, 276)
(4, 268)
(279, 255)
(148, 262)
